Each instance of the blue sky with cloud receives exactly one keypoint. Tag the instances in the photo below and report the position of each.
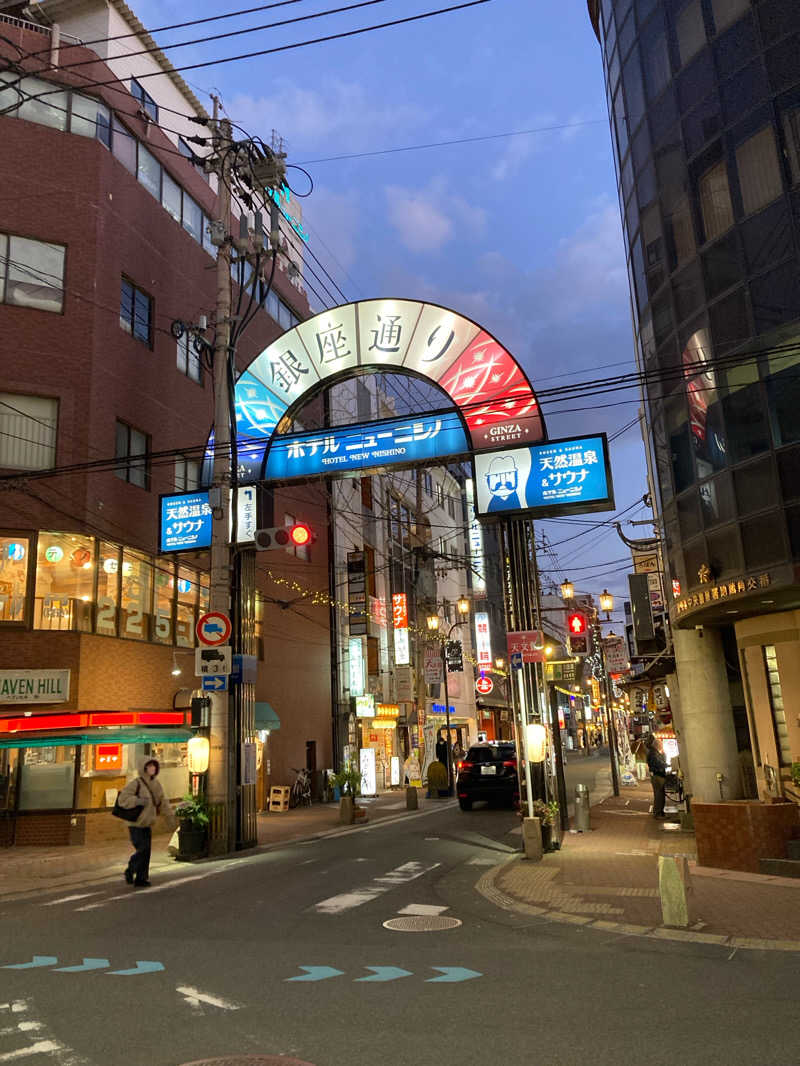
(520, 233)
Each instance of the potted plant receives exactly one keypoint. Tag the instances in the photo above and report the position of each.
(547, 813)
(348, 781)
(193, 818)
(437, 779)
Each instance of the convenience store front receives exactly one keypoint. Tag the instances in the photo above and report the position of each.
(60, 773)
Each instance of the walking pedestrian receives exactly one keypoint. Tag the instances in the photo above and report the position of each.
(145, 792)
(657, 765)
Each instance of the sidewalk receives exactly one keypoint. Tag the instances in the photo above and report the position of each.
(609, 878)
(27, 869)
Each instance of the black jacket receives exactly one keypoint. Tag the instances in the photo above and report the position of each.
(656, 763)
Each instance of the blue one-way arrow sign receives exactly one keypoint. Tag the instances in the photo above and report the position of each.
(215, 683)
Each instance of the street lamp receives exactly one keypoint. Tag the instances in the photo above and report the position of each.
(549, 650)
(567, 589)
(499, 662)
(606, 602)
(433, 623)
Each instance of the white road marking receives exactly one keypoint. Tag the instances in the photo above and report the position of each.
(478, 861)
(133, 894)
(69, 899)
(426, 909)
(194, 997)
(409, 871)
(41, 1047)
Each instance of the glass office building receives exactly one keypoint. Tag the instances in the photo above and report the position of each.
(704, 105)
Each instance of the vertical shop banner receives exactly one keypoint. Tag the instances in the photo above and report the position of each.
(357, 593)
(404, 680)
(356, 655)
(483, 643)
(402, 649)
(616, 655)
(454, 655)
(476, 555)
(400, 610)
(432, 659)
(369, 778)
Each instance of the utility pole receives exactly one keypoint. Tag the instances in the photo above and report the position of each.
(221, 792)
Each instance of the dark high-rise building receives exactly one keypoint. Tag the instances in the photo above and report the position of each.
(704, 105)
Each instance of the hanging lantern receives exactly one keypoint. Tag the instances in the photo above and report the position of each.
(567, 589)
(606, 601)
(537, 742)
(197, 749)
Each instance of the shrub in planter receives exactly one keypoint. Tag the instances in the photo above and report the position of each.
(193, 818)
(547, 813)
(437, 779)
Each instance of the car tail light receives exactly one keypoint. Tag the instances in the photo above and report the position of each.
(465, 765)
(510, 762)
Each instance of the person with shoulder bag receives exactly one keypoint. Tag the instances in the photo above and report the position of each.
(146, 795)
(657, 765)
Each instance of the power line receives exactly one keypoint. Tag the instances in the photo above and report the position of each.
(454, 141)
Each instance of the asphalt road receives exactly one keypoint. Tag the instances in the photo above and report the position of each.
(225, 940)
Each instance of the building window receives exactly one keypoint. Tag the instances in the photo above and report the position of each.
(65, 564)
(439, 494)
(90, 118)
(427, 482)
(775, 694)
(727, 11)
(133, 447)
(149, 106)
(188, 360)
(31, 273)
(759, 171)
(451, 507)
(135, 311)
(187, 474)
(14, 562)
(690, 30)
(148, 172)
(186, 150)
(192, 218)
(715, 201)
(28, 426)
(366, 492)
(791, 133)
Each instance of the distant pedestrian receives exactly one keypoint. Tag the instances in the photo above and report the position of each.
(657, 765)
(144, 792)
(458, 751)
(441, 749)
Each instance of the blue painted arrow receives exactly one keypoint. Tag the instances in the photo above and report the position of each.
(38, 960)
(317, 973)
(141, 967)
(451, 974)
(384, 973)
(88, 964)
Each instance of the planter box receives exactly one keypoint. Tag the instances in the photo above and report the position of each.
(192, 842)
(734, 836)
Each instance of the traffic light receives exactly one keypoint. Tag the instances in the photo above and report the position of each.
(578, 633)
(298, 535)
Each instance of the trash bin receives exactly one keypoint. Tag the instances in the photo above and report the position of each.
(582, 808)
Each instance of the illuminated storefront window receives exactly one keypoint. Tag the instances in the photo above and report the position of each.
(136, 595)
(14, 561)
(64, 581)
(164, 594)
(186, 611)
(108, 579)
(47, 779)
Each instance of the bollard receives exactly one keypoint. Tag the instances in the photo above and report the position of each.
(412, 799)
(674, 887)
(532, 838)
(582, 823)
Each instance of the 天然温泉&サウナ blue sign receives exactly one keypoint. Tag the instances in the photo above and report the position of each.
(559, 477)
(346, 449)
(185, 522)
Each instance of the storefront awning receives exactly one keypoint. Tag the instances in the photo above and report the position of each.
(100, 736)
(266, 718)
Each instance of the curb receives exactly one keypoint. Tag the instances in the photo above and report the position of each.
(487, 887)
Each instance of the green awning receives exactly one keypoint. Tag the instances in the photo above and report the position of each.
(100, 736)
(266, 718)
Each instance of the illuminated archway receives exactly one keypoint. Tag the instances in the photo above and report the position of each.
(489, 389)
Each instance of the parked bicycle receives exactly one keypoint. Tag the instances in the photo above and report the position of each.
(300, 796)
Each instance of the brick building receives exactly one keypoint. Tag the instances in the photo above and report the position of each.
(104, 243)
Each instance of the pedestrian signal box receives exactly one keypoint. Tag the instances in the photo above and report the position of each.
(578, 633)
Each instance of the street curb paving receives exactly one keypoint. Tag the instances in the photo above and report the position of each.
(487, 887)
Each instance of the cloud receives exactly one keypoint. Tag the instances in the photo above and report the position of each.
(336, 118)
(428, 218)
(518, 149)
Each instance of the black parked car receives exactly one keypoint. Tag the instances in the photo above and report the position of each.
(488, 772)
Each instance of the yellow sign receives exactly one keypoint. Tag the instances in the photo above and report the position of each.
(723, 591)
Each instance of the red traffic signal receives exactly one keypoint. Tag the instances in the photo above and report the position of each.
(300, 534)
(576, 623)
(295, 536)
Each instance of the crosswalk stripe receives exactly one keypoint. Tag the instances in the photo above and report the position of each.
(345, 901)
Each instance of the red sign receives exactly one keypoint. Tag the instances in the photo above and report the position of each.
(400, 610)
(484, 685)
(213, 628)
(108, 756)
(529, 643)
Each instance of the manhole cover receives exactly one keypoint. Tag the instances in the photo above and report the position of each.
(421, 924)
(249, 1060)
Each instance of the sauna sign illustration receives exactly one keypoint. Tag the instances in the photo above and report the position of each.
(487, 405)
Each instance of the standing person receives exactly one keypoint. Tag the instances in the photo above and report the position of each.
(657, 765)
(441, 749)
(145, 792)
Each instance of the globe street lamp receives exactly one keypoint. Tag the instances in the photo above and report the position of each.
(433, 623)
(606, 602)
(567, 589)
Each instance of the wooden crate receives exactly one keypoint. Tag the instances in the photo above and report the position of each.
(279, 797)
